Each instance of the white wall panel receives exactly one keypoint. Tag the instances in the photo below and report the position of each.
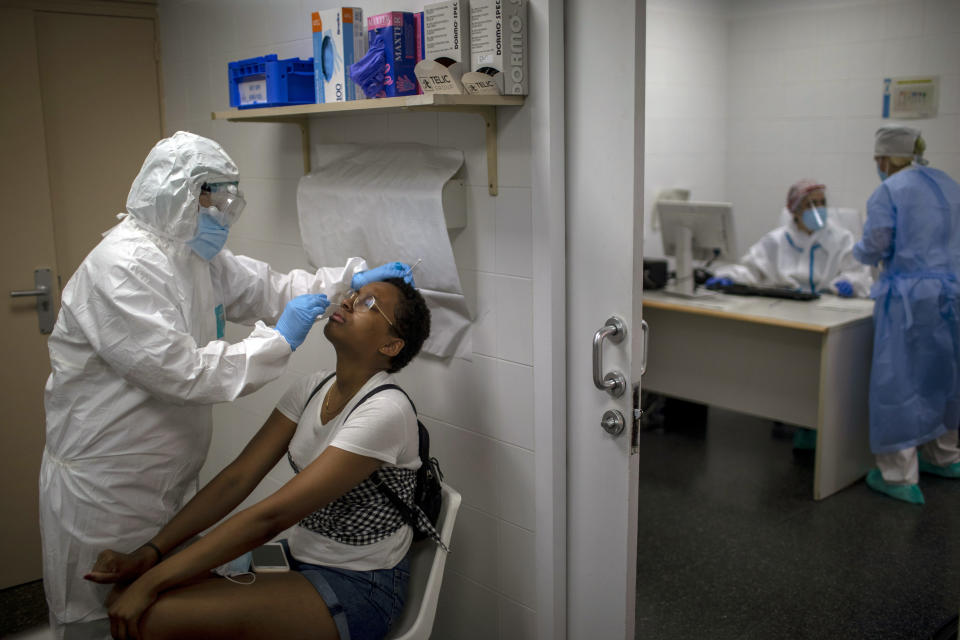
(516, 560)
(829, 96)
(513, 232)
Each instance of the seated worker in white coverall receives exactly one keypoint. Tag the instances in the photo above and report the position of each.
(343, 433)
(809, 253)
(138, 359)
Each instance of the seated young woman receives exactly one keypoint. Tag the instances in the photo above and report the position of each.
(348, 552)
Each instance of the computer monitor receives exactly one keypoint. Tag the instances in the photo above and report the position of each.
(693, 230)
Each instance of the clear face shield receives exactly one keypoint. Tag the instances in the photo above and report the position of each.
(226, 201)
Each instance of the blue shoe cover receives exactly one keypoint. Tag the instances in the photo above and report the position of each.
(949, 471)
(804, 439)
(907, 492)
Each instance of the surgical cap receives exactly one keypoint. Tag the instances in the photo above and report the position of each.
(799, 190)
(895, 141)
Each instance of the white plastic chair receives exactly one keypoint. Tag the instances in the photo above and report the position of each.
(427, 561)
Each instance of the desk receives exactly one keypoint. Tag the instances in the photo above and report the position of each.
(802, 363)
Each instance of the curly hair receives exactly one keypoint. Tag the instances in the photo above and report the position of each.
(413, 323)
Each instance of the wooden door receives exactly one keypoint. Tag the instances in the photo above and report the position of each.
(101, 114)
(27, 245)
(81, 108)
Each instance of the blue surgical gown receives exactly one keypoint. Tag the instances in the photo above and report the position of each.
(913, 228)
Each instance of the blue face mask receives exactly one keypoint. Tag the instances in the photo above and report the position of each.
(237, 567)
(883, 174)
(814, 219)
(210, 238)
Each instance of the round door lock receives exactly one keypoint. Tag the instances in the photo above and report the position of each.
(612, 422)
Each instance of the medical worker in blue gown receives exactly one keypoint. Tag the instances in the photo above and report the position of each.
(913, 231)
(138, 360)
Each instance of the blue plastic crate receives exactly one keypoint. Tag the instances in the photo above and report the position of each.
(268, 82)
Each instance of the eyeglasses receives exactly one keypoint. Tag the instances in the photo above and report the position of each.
(227, 200)
(365, 303)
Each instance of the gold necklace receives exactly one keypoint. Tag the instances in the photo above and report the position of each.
(341, 403)
(326, 402)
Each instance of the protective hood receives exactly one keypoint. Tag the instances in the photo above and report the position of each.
(165, 194)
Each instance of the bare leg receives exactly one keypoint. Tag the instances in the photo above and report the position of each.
(277, 605)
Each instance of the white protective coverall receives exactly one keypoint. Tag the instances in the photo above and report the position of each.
(789, 257)
(137, 363)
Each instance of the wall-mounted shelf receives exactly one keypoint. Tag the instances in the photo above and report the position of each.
(484, 106)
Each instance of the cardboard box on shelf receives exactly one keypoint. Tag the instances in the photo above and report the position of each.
(498, 48)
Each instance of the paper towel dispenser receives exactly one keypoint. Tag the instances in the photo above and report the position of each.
(453, 198)
(394, 202)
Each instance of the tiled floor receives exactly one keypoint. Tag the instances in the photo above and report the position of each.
(23, 609)
(39, 633)
(732, 545)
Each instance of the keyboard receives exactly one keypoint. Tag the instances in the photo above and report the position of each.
(767, 292)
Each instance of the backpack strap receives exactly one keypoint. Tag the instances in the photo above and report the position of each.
(409, 515)
(317, 388)
(377, 390)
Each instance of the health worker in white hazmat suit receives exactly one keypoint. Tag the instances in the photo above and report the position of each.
(138, 359)
(808, 253)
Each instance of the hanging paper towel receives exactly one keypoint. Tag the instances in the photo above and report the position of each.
(384, 203)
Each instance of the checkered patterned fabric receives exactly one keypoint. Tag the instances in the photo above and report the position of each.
(364, 514)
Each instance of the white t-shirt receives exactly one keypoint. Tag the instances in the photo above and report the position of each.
(384, 427)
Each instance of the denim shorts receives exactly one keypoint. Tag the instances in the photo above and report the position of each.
(364, 604)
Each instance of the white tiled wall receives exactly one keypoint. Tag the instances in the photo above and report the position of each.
(480, 413)
(686, 106)
(805, 96)
(797, 88)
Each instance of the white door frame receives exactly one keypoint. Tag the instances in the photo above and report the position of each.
(547, 133)
(549, 111)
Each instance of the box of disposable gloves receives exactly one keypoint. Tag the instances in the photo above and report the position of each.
(339, 40)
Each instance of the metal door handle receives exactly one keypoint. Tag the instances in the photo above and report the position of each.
(43, 285)
(30, 292)
(614, 382)
(645, 328)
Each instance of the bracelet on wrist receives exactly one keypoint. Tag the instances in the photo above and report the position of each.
(155, 548)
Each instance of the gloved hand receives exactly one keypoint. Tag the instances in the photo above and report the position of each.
(384, 271)
(844, 289)
(716, 283)
(299, 315)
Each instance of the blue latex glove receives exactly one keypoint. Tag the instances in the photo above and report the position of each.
(368, 71)
(299, 315)
(384, 271)
(712, 283)
(844, 289)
